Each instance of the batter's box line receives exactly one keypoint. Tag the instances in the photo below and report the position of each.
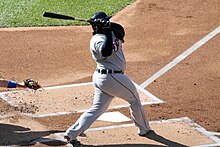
(153, 98)
(181, 57)
(210, 135)
(11, 101)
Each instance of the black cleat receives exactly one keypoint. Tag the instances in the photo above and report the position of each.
(146, 134)
(74, 143)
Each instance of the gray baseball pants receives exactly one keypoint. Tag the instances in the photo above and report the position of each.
(108, 86)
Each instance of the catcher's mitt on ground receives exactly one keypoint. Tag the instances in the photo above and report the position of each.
(30, 83)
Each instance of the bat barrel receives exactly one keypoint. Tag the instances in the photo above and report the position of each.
(57, 16)
(61, 16)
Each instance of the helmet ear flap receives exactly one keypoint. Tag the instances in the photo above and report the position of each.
(94, 27)
(97, 29)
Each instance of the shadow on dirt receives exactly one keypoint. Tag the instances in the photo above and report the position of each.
(18, 135)
(153, 136)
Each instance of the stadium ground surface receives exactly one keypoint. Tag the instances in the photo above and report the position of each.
(172, 51)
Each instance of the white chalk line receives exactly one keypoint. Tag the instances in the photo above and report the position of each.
(175, 62)
(199, 128)
(81, 111)
(11, 101)
(154, 99)
(67, 86)
(187, 120)
(181, 57)
(216, 133)
(210, 135)
(209, 145)
(8, 99)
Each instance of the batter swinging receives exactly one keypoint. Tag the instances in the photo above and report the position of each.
(109, 80)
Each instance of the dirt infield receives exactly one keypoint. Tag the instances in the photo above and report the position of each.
(63, 100)
(156, 33)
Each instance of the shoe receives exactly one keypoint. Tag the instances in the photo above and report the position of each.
(67, 138)
(82, 135)
(145, 135)
(74, 143)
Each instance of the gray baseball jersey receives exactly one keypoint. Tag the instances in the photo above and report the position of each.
(110, 85)
(116, 61)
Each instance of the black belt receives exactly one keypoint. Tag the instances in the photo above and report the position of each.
(105, 71)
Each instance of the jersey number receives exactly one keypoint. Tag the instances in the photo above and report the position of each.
(116, 45)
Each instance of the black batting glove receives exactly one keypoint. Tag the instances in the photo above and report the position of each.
(102, 22)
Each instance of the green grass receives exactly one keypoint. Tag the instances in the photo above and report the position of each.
(25, 13)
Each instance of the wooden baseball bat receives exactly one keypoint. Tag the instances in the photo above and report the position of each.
(61, 16)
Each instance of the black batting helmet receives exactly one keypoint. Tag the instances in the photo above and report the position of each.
(98, 15)
(101, 15)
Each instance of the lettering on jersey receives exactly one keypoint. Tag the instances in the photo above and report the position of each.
(116, 45)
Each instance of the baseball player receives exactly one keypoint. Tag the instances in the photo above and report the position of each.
(109, 80)
(28, 83)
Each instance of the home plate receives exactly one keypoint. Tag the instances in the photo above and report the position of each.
(64, 99)
(113, 117)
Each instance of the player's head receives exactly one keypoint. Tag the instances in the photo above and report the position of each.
(99, 15)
